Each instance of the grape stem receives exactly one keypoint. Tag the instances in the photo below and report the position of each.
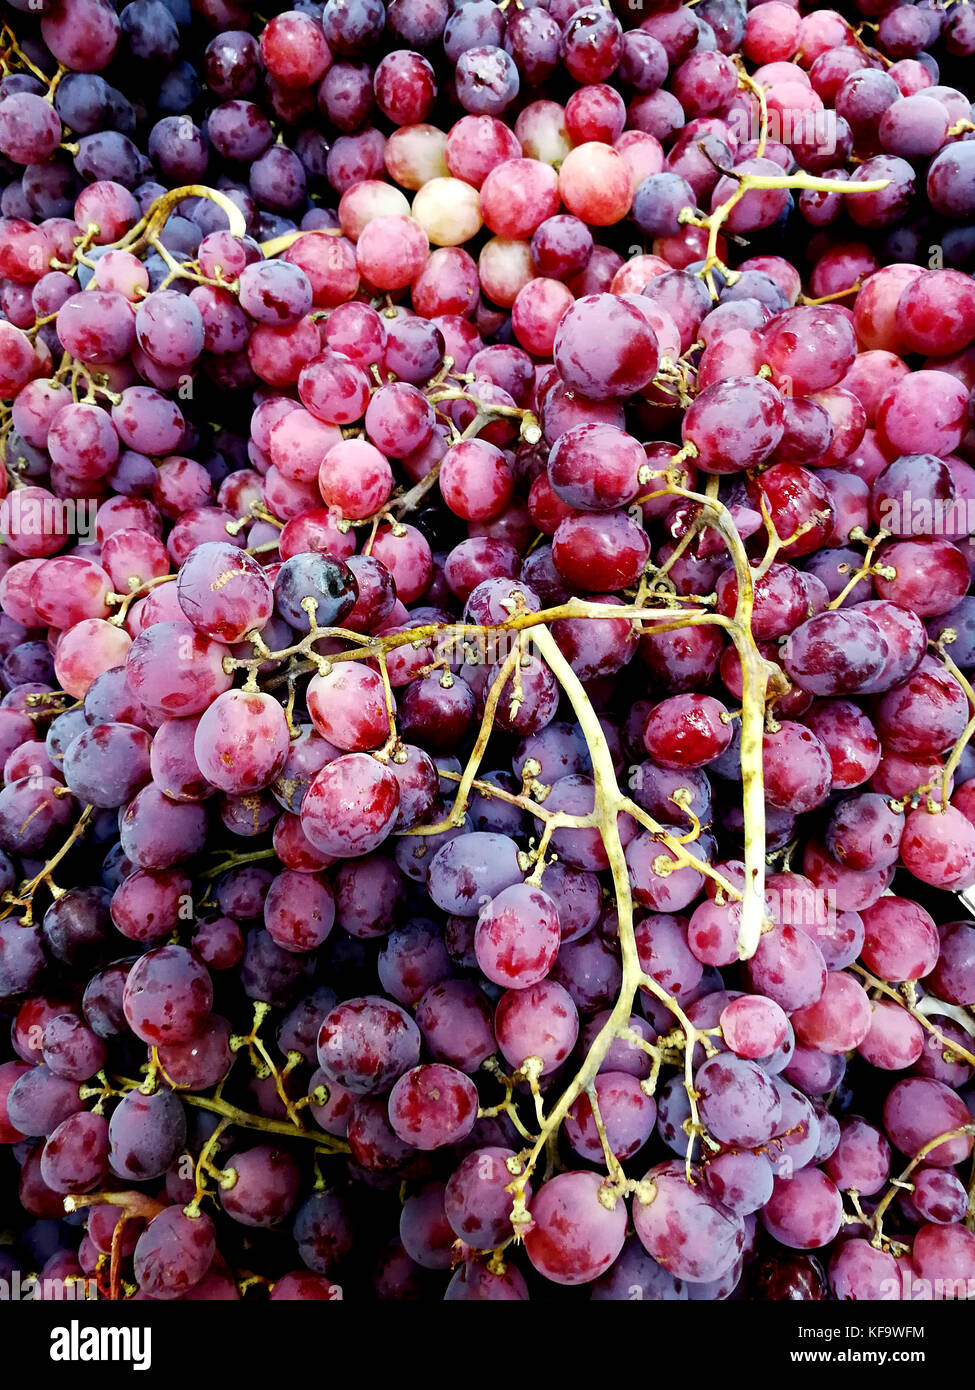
(890, 993)
(261, 1059)
(758, 91)
(608, 802)
(149, 227)
(25, 898)
(756, 673)
(865, 570)
(277, 244)
(131, 1202)
(898, 1184)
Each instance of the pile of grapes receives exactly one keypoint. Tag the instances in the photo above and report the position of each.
(486, 649)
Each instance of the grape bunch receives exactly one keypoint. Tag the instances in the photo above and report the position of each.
(487, 650)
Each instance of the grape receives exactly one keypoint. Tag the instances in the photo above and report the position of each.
(265, 1186)
(145, 1132)
(85, 651)
(424, 1232)
(952, 978)
(372, 1141)
(70, 1049)
(753, 1027)
(859, 1270)
(399, 419)
(218, 942)
(412, 960)
(377, 593)
(241, 741)
(367, 891)
(895, 1040)
(836, 653)
(432, 1106)
(804, 1211)
(30, 812)
(30, 130)
(940, 849)
(589, 971)
(466, 873)
(312, 585)
(939, 1196)
(658, 202)
(75, 1155)
(475, 1200)
(664, 953)
(920, 1109)
(561, 246)
(734, 424)
(738, 1103)
(107, 764)
(223, 592)
(456, 1023)
(167, 996)
(601, 553)
(901, 940)
(475, 480)
(347, 707)
(173, 764)
(476, 1282)
(627, 358)
(156, 833)
(203, 1061)
(790, 1277)
(357, 784)
(517, 936)
(102, 1222)
(322, 1231)
(861, 1160)
(945, 1254)
(366, 1044)
(627, 1115)
(850, 740)
(839, 1020)
(686, 731)
(175, 669)
(635, 1275)
(302, 1286)
(540, 1021)
(268, 971)
(22, 958)
(865, 833)
(39, 1100)
(299, 911)
(685, 1228)
(102, 1000)
(797, 768)
(741, 1181)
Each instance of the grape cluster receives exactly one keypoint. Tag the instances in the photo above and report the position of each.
(486, 648)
